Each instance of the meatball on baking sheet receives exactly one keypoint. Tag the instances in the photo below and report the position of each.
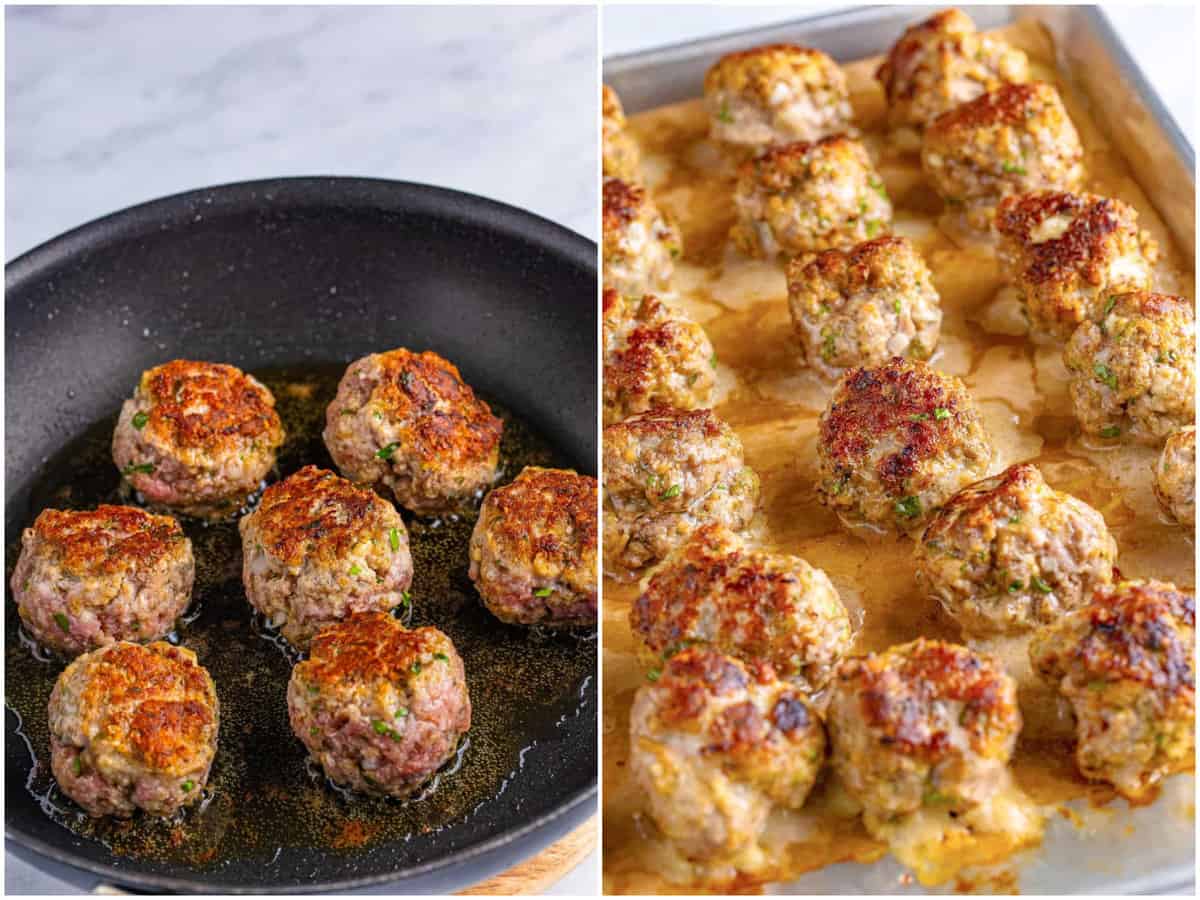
(773, 401)
(263, 793)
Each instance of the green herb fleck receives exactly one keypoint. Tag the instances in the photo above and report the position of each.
(143, 468)
(654, 675)
(879, 188)
(872, 227)
(139, 420)
(723, 114)
(441, 657)
(63, 622)
(909, 507)
(712, 360)
(673, 491)
(1110, 431)
(415, 668)
(1015, 586)
(941, 413)
(356, 569)
(405, 597)
(380, 727)
(401, 712)
(1013, 168)
(1040, 586)
(188, 785)
(543, 592)
(394, 538)
(897, 306)
(1105, 375)
(1108, 305)
(386, 452)
(77, 766)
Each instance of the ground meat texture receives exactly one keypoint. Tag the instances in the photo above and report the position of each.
(381, 708)
(942, 63)
(863, 306)
(1124, 663)
(319, 548)
(1010, 553)
(86, 579)
(803, 198)
(895, 442)
(197, 437)
(1066, 253)
(1132, 370)
(621, 157)
(666, 473)
(133, 727)
(654, 355)
(533, 551)
(1009, 141)
(926, 723)
(776, 95)
(715, 744)
(1175, 476)
(409, 422)
(715, 591)
(640, 244)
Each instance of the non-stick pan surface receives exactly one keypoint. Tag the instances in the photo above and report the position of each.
(292, 279)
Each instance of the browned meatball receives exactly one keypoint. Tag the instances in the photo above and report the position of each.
(640, 244)
(1065, 253)
(896, 441)
(1125, 663)
(1175, 476)
(621, 155)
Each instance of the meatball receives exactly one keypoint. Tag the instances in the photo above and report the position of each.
(922, 724)
(1065, 253)
(640, 245)
(1125, 665)
(715, 744)
(752, 605)
(319, 548)
(533, 550)
(666, 473)
(408, 421)
(380, 707)
(1010, 141)
(620, 149)
(895, 442)
(133, 727)
(197, 437)
(801, 198)
(942, 63)
(1175, 476)
(654, 355)
(863, 306)
(87, 579)
(775, 95)
(1132, 370)
(1011, 553)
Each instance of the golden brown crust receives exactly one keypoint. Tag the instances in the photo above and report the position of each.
(757, 70)
(1008, 105)
(974, 507)
(700, 423)
(622, 203)
(537, 505)
(370, 647)
(948, 22)
(692, 676)
(611, 107)
(861, 267)
(779, 167)
(107, 539)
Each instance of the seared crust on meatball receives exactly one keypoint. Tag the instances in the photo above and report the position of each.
(1065, 253)
(715, 743)
(408, 421)
(863, 306)
(1175, 476)
(533, 551)
(1010, 553)
(380, 707)
(775, 95)
(197, 437)
(1013, 140)
(133, 727)
(621, 156)
(802, 198)
(319, 548)
(923, 724)
(640, 244)
(1133, 369)
(896, 441)
(942, 63)
(749, 604)
(666, 473)
(654, 355)
(1125, 664)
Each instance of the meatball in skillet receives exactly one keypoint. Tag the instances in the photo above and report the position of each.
(1175, 476)
(895, 442)
(620, 150)
(533, 550)
(1125, 664)
(776, 95)
(752, 605)
(1010, 553)
(666, 473)
(115, 573)
(715, 744)
(640, 244)
(863, 306)
(1066, 253)
(409, 422)
(380, 707)
(319, 548)
(133, 727)
(197, 438)
(654, 355)
(1133, 369)
(803, 198)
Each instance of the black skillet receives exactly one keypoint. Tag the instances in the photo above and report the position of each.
(292, 279)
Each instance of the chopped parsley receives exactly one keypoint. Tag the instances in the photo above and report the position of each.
(356, 569)
(394, 538)
(543, 592)
(879, 188)
(941, 413)
(723, 114)
(1040, 586)
(872, 227)
(401, 712)
(441, 657)
(139, 420)
(1012, 168)
(897, 306)
(909, 507)
(1105, 376)
(188, 785)
(63, 622)
(673, 491)
(143, 468)
(654, 674)
(386, 452)
(1110, 431)
(1015, 586)
(415, 668)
